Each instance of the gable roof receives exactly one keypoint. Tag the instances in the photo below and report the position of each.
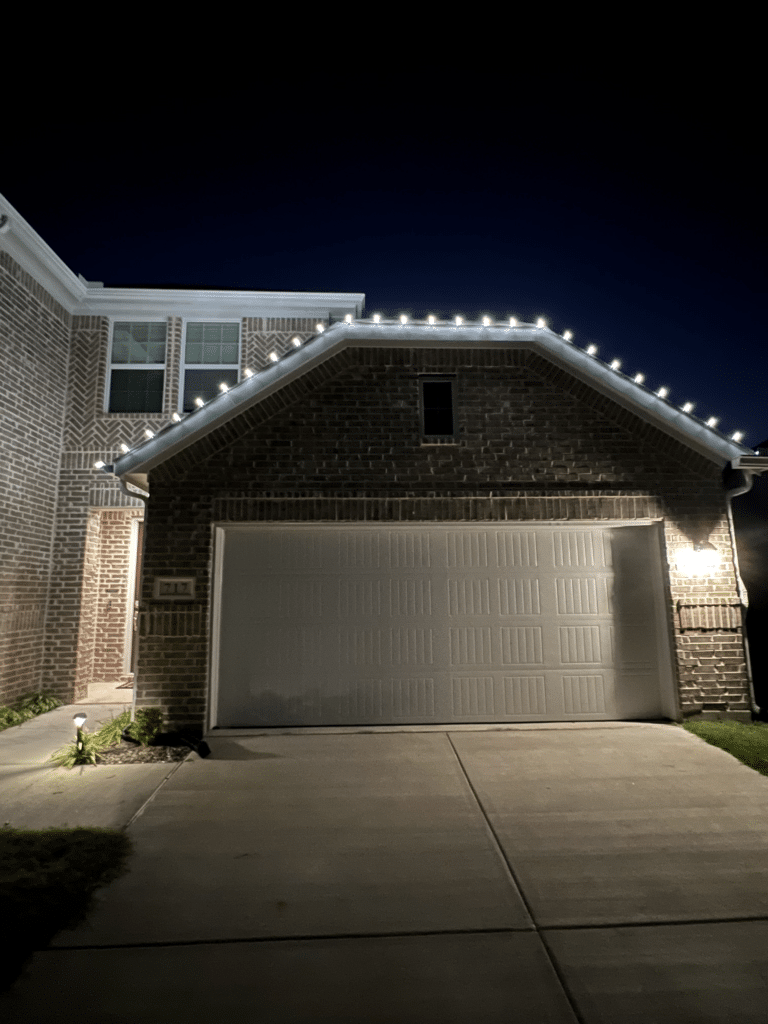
(135, 466)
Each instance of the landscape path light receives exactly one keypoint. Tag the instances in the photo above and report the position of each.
(79, 719)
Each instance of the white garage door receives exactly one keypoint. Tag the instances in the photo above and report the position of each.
(353, 625)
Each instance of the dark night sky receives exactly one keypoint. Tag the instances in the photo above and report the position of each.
(637, 224)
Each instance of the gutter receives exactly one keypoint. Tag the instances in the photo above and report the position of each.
(745, 468)
(144, 497)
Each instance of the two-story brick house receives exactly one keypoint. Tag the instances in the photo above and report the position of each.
(352, 521)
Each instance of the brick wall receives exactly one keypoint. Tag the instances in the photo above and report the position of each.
(343, 443)
(34, 339)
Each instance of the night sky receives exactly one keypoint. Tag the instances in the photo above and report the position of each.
(637, 224)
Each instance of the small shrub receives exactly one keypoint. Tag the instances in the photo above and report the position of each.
(69, 756)
(28, 707)
(111, 733)
(148, 723)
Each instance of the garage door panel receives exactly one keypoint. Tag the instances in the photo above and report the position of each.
(325, 625)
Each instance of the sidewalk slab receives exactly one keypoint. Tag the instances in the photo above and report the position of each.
(497, 978)
(34, 741)
(315, 835)
(674, 974)
(601, 828)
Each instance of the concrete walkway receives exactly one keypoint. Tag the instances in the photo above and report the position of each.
(593, 873)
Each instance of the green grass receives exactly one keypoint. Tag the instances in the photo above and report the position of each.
(47, 881)
(746, 741)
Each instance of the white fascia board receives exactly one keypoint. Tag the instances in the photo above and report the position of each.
(24, 244)
(155, 303)
(250, 391)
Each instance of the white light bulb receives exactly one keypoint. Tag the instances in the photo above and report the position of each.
(319, 328)
(296, 342)
(567, 335)
(403, 319)
(662, 392)
(688, 407)
(737, 436)
(376, 318)
(512, 322)
(639, 378)
(591, 350)
(175, 417)
(430, 319)
(149, 433)
(486, 321)
(223, 387)
(273, 357)
(541, 322)
(199, 402)
(458, 321)
(615, 364)
(247, 372)
(348, 318)
(712, 421)
(124, 448)
(99, 465)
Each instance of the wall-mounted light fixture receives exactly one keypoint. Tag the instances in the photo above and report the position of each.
(702, 559)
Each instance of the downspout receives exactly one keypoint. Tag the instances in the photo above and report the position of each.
(142, 496)
(747, 477)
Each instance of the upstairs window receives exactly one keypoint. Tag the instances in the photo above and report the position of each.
(438, 419)
(137, 367)
(211, 358)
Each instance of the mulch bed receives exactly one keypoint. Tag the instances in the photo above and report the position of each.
(127, 753)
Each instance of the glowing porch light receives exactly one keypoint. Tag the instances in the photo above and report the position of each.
(296, 342)
(319, 328)
(199, 402)
(430, 319)
(567, 335)
(662, 392)
(737, 436)
(459, 321)
(687, 407)
(512, 322)
(615, 364)
(702, 559)
(273, 356)
(713, 421)
(99, 464)
(124, 448)
(541, 322)
(639, 378)
(149, 433)
(403, 319)
(591, 350)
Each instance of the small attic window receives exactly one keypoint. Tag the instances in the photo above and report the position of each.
(438, 418)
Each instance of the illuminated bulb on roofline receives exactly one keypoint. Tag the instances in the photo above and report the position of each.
(688, 407)
(737, 436)
(712, 421)
(124, 448)
(512, 322)
(591, 350)
(348, 318)
(403, 319)
(662, 392)
(376, 317)
(486, 321)
(296, 342)
(615, 364)
(541, 322)
(319, 328)
(273, 357)
(176, 418)
(567, 335)
(199, 402)
(149, 433)
(458, 321)
(223, 387)
(98, 465)
(639, 378)
(247, 372)
(430, 319)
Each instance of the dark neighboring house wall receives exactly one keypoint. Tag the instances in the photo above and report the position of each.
(344, 443)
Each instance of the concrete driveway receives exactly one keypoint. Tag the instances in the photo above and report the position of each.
(595, 872)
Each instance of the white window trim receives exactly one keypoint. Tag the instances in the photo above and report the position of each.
(183, 366)
(133, 366)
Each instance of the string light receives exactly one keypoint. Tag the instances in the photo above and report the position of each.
(247, 372)
(662, 392)
(688, 407)
(458, 321)
(124, 448)
(512, 322)
(591, 350)
(615, 364)
(737, 436)
(567, 335)
(199, 402)
(486, 321)
(639, 378)
(348, 318)
(223, 387)
(296, 342)
(376, 317)
(273, 357)
(430, 319)
(712, 421)
(149, 433)
(541, 322)
(403, 319)
(99, 465)
(319, 328)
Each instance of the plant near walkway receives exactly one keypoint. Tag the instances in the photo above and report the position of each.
(146, 726)
(47, 881)
(28, 707)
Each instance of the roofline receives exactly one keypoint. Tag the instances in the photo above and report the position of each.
(707, 441)
(90, 298)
